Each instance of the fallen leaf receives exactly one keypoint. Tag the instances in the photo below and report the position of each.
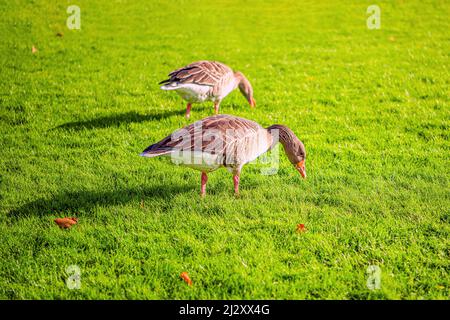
(34, 49)
(142, 203)
(185, 277)
(301, 227)
(66, 223)
(60, 34)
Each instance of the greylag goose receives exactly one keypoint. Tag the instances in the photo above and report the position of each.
(226, 141)
(207, 81)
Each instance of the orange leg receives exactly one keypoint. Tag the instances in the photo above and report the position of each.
(236, 184)
(188, 110)
(204, 180)
(216, 107)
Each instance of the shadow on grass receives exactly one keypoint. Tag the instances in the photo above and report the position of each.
(118, 119)
(72, 203)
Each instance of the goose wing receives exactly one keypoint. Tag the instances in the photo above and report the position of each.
(221, 135)
(207, 73)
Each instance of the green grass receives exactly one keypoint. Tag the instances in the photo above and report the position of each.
(371, 106)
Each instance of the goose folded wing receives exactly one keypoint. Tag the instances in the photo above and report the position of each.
(203, 73)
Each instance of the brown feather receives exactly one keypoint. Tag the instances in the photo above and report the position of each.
(233, 133)
(202, 72)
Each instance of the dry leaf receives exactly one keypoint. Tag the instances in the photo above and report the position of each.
(60, 34)
(34, 49)
(66, 223)
(185, 277)
(301, 227)
(142, 203)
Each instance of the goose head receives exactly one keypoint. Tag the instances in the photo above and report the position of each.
(245, 87)
(293, 147)
(297, 156)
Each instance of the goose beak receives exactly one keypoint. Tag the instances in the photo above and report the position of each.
(252, 102)
(301, 168)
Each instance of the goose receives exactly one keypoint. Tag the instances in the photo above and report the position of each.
(207, 81)
(226, 141)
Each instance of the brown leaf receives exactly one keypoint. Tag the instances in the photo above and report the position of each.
(301, 227)
(34, 49)
(185, 277)
(60, 34)
(66, 223)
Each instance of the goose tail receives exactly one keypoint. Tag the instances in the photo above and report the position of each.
(168, 85)
(155, 151)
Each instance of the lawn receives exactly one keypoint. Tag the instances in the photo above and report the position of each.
(371, 106)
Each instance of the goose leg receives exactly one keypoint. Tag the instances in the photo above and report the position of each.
(204, 180)
(216, 107)
(236, 183)
(188, 110)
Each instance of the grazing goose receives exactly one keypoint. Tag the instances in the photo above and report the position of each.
(207, 80)
(226, 141)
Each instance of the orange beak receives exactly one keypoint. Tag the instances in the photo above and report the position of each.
(252, 102)
(301, 168)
